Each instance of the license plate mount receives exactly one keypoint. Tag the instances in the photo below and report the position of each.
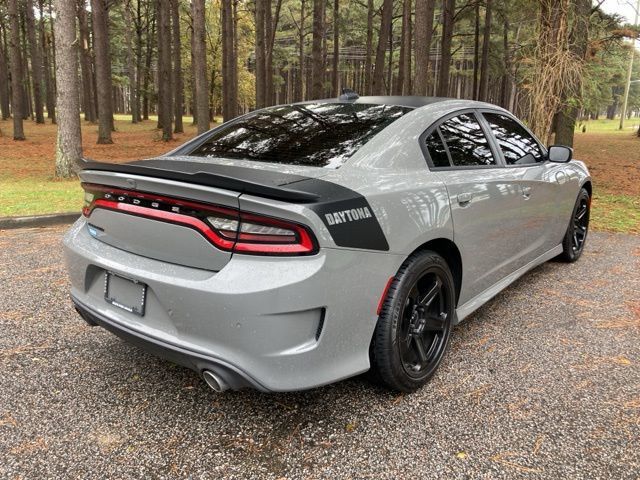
(125, 293)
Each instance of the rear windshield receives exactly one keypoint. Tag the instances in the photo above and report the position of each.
(316, 134)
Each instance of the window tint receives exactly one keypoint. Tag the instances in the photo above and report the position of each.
(436, 149)
(315, 134)
(467, 143)
(517, 145)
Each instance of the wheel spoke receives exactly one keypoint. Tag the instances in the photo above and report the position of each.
(422, 354)
(435, 323)
(583, 211)
(431, 294)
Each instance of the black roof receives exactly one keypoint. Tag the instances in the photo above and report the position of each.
(414, 101)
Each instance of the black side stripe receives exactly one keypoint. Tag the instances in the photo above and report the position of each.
(347, 215)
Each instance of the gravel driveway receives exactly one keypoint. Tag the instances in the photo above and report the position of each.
(543, 382)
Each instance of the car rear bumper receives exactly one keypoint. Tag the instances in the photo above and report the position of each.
(271, 323)
(233, 377)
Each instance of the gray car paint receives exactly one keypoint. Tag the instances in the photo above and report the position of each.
(259, 314)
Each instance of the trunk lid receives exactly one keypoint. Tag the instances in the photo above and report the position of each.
(160, 208)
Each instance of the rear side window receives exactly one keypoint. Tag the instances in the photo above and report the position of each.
(468, 146)
(437, 151)
(517, 145)
(316, 134)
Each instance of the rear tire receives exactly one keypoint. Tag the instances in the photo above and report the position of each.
(415, 323)
(576, 236)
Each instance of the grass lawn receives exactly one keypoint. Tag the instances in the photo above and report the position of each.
(27, 186)
(608, 126)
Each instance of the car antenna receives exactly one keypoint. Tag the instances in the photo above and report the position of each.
(348, 94)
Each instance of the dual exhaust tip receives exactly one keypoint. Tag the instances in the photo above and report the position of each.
(215, 382)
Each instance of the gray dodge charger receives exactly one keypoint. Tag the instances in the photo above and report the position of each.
(302, 244)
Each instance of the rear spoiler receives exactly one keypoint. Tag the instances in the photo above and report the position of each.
(260, 182)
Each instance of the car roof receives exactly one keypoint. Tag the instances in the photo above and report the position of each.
(411, 101)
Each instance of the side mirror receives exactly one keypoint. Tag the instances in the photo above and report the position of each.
(560, 154)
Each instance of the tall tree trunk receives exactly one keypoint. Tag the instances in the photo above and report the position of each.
(271, 26)
(335, 80)
(368, 67)
(130, 28)
(4, 77)
(234, 58)
(445, 51)
(17, 98)
(200, 66)
(423, 32)
(476, 49)
(377, 85)
(299, 95)
(505, 92)
(565, 121)
(268, 58)
(261, 80)
(139, 32)
(85, 65)
(26, 74)
(486, 39)
(36, 62)
(403, 84)
(390, 59)
(47, 53)
(69, 142)
(229, 66)
(165, 97)
(150, 37)
(317, 64)
(103, 71)
(178, 77)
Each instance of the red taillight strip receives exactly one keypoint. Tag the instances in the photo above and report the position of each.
(171, 217)
(245, 242)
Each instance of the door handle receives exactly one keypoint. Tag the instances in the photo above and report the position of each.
(464, 198)
(526, 192)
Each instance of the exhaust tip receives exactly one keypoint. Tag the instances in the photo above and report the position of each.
(214, 381)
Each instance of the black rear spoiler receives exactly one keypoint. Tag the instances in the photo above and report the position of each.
(252, 181)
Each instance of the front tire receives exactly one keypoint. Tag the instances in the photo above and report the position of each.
(576, 235)
(415, 323)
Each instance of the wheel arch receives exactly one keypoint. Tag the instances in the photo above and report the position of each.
(588, 187)
(450, 252)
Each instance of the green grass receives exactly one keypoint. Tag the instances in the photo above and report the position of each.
(608, 126)
(615, 213)
(34, 197)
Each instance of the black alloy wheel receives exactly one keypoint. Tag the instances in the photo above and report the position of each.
(576, 235)
(580, 225)
(415, 323)
(424, 325)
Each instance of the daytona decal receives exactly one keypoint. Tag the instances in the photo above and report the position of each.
(348, 215)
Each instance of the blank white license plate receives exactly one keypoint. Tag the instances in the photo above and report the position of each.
(125, 293)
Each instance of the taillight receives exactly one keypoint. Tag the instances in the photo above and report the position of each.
(259, 234)
(226, 228)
